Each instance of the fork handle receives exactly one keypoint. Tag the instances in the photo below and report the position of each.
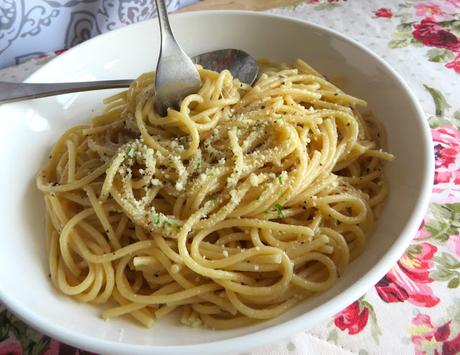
(10, 92)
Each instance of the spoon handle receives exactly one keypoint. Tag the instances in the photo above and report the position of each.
(10, 92)
(240, 64)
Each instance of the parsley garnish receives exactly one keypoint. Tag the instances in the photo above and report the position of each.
(279, 210)
(129, 151)
(167, 223)
(156, 218)
(280, 180)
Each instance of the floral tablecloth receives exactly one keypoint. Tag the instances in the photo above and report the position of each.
(415, 308)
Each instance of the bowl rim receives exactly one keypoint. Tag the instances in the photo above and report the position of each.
(289, 327)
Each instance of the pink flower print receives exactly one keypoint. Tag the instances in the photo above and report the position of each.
(353, 318)
(422, 233)
(384, 12)
(446, 187)
(453, 244)
(408, 280)
(452, 346)
(431, 34)
(434, 10)
(10, 347)
(430, 339)
(454, 3)
(53, 348)
(455, 64)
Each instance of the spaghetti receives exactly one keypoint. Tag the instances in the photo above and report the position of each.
(233, 208)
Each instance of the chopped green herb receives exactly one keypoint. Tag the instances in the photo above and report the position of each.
(156, 218)
(129, 151)
(279, 210)
(167, 223)
(280, 180)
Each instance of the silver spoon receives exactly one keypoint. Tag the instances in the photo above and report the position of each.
(176, 75)
(239, 63)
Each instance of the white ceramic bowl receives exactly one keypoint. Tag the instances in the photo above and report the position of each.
(29, 129)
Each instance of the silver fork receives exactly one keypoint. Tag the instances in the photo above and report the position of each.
(176, 75)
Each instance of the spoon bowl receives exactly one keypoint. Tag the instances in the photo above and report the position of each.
(238, 62)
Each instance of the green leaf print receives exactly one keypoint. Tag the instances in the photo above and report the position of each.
(438, 55)
(453, 283)
(439, 100)
(441, 274)
(399, 43)
(445, 222)
(447, 269)
(447, 260)
(326, 6)
(416, 43)
(4, 328)
(406, 4)
(436, 121)
(333, 336)
(455, 28)
(38, 347)
(32, 342)
(400, 38)
(404, 16)
(405, 27)
(375, 329)
(440, 230)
